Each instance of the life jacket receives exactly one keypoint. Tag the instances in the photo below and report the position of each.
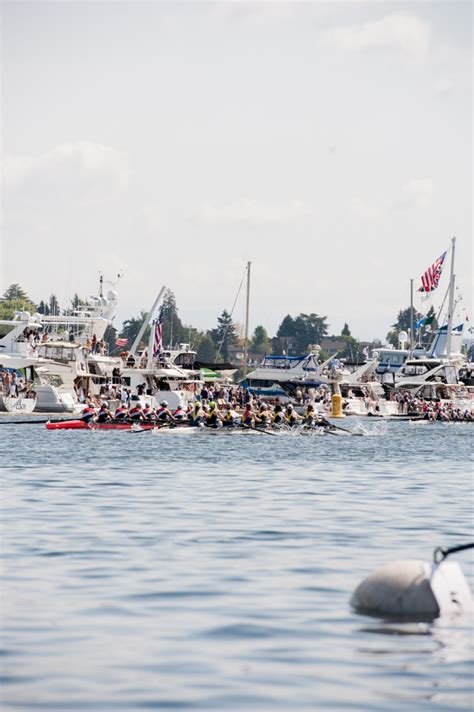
(212, 418)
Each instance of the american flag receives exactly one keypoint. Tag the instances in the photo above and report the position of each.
(430, 279)
(158, 338)
(121, 342)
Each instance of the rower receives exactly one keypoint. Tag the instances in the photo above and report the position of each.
(104, 415)
(196, 417)
(88, 414)
(278, 416)
(120, 413)
(291, 415)
(179, 414)
(263, 415)
(148, 412)
(136, 413)
(213, 418)
(309, 416)
(248, 417)
(163, 413)
(230, 418)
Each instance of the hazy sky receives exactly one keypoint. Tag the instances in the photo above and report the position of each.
(328, 143)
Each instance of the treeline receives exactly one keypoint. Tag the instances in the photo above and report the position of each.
(295, 335)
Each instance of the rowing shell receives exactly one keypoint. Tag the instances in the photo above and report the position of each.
(81, 425)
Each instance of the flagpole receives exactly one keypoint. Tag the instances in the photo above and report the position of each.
(246, 335)
(411, 318)
(451, 300)
(149, 360)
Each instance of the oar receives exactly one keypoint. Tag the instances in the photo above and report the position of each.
(36, 422)
(263, 432)
(327, 424)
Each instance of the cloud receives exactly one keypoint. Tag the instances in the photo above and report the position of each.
(443, 87)
(260, 12)
(84, 166)
(403, 32)
(365, 210)
(250, 212)
(416, 193)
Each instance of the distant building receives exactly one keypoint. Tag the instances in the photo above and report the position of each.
(332, 344)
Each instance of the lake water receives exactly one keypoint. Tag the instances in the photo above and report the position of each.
(213, 572)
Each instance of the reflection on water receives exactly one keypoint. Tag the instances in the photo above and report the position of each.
(215, 573)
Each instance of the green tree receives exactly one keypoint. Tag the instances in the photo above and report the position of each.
(130, 329)
(77, 302)
(424, 333)
(206, 351)
(43, 308)
(15, 299)
(309, 329)
(54, 307)
(110, 335)
(351, 351)
(224, 335)
(402, 324)
(287, 327)
(260, 343)
(345, 330)
(285, 336)
(173, 330)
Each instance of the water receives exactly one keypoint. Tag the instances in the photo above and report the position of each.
(213, 572)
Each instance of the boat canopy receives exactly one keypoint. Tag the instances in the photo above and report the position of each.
(16, 362)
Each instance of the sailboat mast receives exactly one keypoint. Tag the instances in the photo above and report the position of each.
(246, 334)
(452, 280)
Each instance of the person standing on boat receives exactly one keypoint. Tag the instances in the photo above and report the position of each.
(14, 385)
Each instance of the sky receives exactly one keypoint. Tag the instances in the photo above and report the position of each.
(330, 144)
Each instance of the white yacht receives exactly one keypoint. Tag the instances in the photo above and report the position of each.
(18, 398)
(61, 348)
(267, 379)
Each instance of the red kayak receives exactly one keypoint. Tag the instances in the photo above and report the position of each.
(81, 425)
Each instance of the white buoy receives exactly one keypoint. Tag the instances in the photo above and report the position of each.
(414, 588)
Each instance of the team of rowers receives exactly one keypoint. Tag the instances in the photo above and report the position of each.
(213, 415)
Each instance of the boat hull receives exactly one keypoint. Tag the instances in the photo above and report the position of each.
(81, 425)
(17, 405)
